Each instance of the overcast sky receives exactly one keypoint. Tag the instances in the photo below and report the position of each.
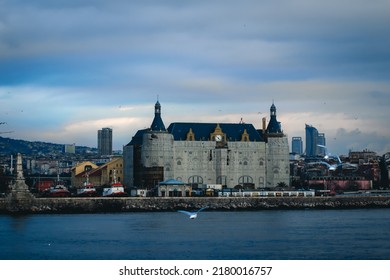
(69, 68)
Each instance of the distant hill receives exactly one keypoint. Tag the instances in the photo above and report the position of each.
(10, 146)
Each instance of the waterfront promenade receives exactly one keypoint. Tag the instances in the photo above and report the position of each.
(150, 204)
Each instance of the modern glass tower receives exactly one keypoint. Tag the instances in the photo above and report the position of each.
(321, 144)
(311, 141)
(105, 141)
(297, 145)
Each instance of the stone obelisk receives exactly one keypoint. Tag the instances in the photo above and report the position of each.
(20, 198)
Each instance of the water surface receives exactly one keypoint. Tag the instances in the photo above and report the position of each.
(273, 234)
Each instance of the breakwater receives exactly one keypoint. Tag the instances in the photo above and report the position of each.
(132, 204)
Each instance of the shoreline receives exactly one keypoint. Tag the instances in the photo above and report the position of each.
(158, 204)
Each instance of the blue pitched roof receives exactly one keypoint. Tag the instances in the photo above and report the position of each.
(137, 138)
(202, 131)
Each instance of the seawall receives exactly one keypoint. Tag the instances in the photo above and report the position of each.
(131, 204)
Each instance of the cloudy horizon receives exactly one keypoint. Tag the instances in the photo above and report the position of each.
(70, 68)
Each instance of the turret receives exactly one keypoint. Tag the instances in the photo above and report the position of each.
(273, 125)
(157, 124)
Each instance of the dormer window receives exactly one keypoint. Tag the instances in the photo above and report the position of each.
(190, 135)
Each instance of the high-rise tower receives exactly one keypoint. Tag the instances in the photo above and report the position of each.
(311, 140)
(297, 145)
(315, 142)
(105, 141)
(321, 145)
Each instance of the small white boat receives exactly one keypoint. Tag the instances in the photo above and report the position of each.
(57, 191)
(88, 189)
(115, 190)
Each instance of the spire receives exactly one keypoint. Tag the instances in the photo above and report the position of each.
(273, 125)
(273, 110)
(157, 124)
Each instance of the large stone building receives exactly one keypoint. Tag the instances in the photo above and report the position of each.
(229, 154)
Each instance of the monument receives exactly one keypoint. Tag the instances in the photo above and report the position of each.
(20, 198)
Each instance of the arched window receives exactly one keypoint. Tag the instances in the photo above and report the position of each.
(245, 179)
(261, 162)
(246, 182)
(222, 180)
(196, 179)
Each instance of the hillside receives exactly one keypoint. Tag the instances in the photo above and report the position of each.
(10, 146)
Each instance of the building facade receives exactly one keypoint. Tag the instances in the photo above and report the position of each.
(198, 154)
(105, 141)
(98, 175)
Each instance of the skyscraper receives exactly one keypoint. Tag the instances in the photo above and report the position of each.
(311, 141)
(297, 145)
(315, 142)
(321, 144)
(105, 141)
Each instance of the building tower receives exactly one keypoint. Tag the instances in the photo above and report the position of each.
(297, 145)
(157, 151)
(148, 157)
(105, 141)
(311, 140)
(277, 152)
(157, 124)
(321, 145)
(315, 142)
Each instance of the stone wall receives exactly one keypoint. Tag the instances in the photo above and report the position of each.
(101, 205)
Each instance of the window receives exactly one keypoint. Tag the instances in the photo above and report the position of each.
(195, 180)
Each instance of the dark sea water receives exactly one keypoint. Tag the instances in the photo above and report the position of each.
(271, 235)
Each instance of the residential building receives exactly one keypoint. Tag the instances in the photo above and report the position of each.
(70, 148)
(105, 141)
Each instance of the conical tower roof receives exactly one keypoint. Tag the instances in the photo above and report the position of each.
(157, 124)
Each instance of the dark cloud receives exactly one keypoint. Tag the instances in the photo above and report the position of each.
(326, 59)
(357, 140)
